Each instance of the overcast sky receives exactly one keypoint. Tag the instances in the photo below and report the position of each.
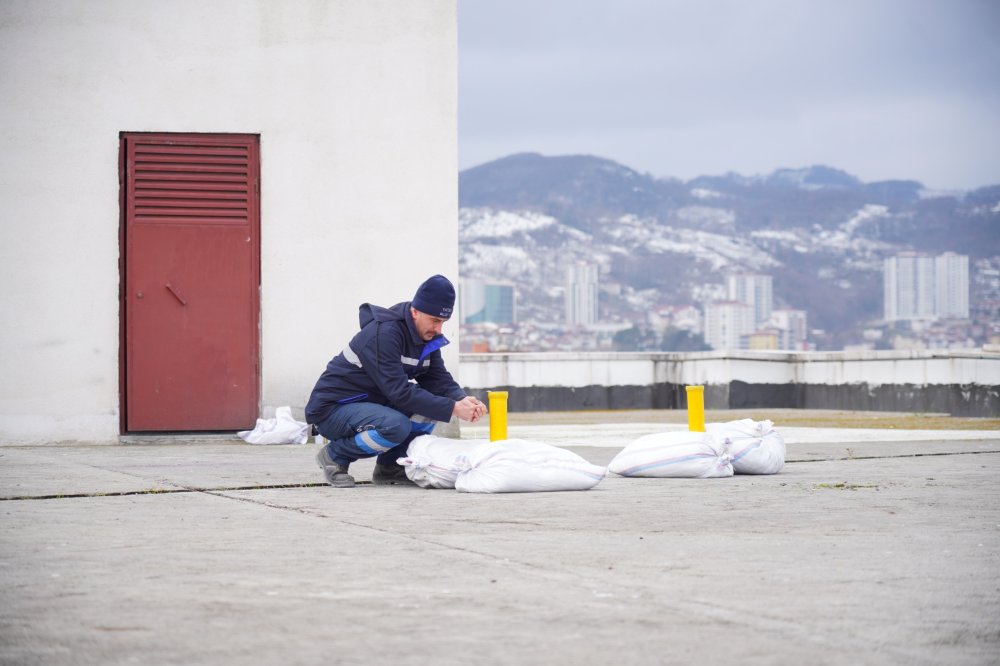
(883, 89)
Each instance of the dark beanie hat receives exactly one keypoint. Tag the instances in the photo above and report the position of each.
(436, 297)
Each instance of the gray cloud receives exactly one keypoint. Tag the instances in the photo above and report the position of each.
(880, 88)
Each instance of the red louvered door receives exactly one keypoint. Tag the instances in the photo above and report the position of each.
(191, 296)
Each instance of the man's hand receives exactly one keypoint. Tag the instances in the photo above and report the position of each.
(469, 409)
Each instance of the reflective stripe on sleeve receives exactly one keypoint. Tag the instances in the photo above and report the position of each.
(351, 357)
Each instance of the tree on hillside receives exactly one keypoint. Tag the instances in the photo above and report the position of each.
(637, 338)
(680, 340)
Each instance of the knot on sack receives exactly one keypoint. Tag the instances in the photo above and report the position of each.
(761, 428)
(415, 463)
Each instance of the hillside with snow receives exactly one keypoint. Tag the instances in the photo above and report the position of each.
(821, 234)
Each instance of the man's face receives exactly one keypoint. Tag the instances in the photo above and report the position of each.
(427, 326)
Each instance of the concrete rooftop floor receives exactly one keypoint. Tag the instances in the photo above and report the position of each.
(872, 546)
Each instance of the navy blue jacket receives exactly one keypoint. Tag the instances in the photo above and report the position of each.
(378, 364)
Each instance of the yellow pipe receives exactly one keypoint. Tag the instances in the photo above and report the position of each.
(498, 415)
(696, 408)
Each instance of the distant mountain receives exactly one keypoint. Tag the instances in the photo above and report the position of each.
(821, 232)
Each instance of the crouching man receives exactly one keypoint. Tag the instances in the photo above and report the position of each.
(388, 386)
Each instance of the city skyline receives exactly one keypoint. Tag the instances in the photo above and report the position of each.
(927, 305)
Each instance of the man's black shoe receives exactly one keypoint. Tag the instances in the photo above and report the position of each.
(390, 475)
(336, 474)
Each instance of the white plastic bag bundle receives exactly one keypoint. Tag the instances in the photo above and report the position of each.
(435, 462)
(673, 454)
(754, 446)
(282, 429)
(521, 466)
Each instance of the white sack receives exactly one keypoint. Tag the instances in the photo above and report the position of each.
(754, 446)
(681, 454)
(518, 466)
(435, 462)
(282, 429)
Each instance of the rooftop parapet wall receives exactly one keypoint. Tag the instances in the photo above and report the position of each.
(962, 383)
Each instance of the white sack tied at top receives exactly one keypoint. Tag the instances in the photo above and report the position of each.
(506, 466)
(435, 462)
(522, 466)
(282, 429)
(681, 454)
(755, 447)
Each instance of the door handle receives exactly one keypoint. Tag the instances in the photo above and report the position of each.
(176, 294)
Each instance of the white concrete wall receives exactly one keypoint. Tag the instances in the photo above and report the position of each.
(922, 368)
(355, 103)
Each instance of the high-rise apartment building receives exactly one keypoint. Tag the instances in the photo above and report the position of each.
(918, 286)
(756, 291)
(581, 294)
(727, 323)
(951, 275)
(480, 301)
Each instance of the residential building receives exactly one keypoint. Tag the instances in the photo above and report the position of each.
(767, 339)
(481, 301)
(755, 290)
(951, 283)
(727, 323)
(918, 286)
(581, 294)
(792, 327)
